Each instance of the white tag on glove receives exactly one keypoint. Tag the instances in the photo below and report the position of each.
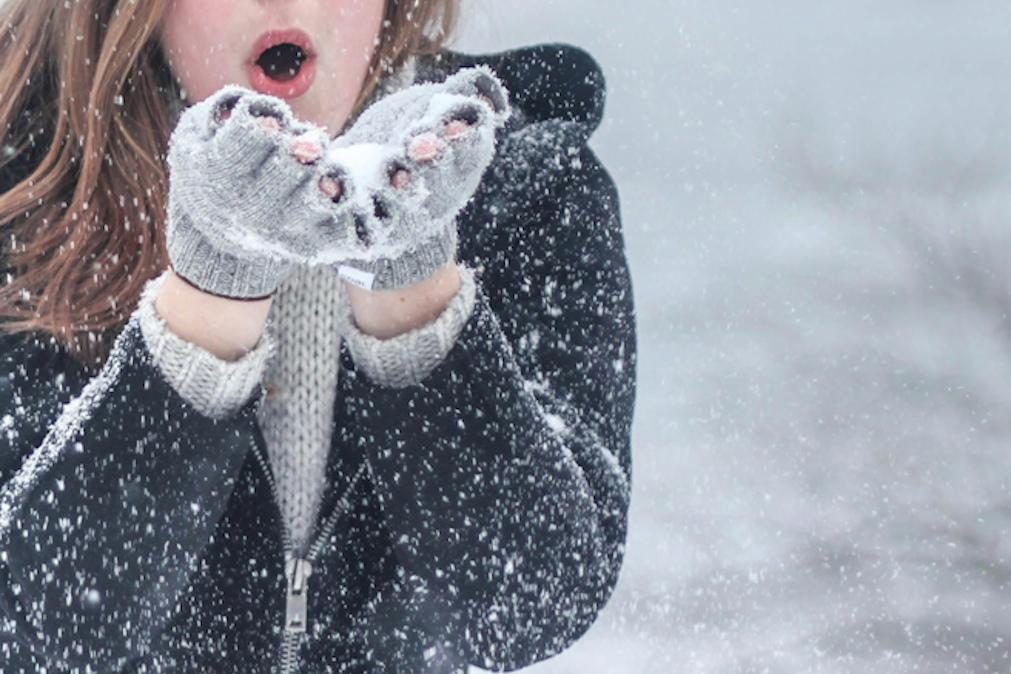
(357, 277)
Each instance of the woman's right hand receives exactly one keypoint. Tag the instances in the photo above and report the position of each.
(250, 194)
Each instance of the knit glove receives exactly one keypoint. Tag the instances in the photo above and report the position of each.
(248, 195)
(418, 156)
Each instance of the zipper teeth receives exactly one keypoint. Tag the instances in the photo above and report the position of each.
(286, 539)
(289, 653)
(289, 641)
(286, 661)
(342, 507)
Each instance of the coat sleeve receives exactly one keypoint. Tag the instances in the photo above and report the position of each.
(111, 488)
(504, 476)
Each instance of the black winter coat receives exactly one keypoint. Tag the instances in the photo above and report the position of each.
(477, 518)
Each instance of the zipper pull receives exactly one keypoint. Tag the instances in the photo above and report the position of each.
(297, 572)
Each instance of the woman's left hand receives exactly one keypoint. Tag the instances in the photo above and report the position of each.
(416, 158)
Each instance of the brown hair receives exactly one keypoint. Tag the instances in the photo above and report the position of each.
(88, 83)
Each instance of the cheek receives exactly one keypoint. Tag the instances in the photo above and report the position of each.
(354, 29)
(355, 25)
(193, 35)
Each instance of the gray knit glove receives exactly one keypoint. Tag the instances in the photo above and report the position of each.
(417, 156)
(249, 194)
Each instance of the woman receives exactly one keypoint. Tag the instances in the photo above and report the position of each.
(410, 479)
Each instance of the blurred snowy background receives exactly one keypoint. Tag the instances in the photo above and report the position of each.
(817, 202)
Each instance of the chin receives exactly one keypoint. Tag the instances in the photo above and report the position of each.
(311, 111)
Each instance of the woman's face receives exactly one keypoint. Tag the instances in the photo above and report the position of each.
(319, 70)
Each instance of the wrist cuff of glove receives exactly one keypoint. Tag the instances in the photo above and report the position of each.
(212, 270)
(414, 265)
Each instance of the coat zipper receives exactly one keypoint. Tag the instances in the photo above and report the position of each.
(297, 568)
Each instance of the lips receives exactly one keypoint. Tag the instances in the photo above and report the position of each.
(294, 78)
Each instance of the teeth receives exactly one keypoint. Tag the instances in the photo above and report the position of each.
(282, 62)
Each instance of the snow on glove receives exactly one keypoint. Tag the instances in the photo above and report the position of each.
(249, 194)
(419, 155)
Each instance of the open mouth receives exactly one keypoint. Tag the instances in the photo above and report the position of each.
(282, 63)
